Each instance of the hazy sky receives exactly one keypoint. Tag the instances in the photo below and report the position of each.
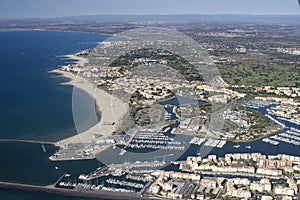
(59, 8)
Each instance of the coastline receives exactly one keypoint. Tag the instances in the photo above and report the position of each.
(109, 121)
(78, 60)
(22, 157)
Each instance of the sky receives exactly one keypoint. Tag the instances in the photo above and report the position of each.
(61, 8)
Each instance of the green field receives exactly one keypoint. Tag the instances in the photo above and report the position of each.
(261, 75)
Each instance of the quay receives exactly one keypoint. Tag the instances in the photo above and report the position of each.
(95, 194)
(27, 141)
(60, 178)
(276, 121)
(125, 183)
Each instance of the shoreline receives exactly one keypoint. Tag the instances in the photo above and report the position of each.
(109, 120)
(56, 30)
(78, 59)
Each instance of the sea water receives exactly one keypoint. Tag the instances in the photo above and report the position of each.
(33, 106)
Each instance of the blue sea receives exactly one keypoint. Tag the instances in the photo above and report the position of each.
(34, 106)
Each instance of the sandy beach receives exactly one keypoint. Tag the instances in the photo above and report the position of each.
(107, 104)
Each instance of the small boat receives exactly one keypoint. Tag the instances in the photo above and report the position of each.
(122, 152)
(167, 106)
(167, 129)
(173, 130)
(56, 168)
(237, 146)
(248, 147)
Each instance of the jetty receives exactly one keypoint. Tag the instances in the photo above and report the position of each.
(44, 148)
(95, 194)
(27, 141)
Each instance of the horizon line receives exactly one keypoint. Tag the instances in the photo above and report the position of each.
(182, 14)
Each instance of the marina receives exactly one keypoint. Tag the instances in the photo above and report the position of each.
(295, 130)
(290, 135)
(94, 191)
(131, 183)
(155, 140)
(117, 189)
(209, 142)
(67, 184)
(93, 187)
(286, 140)
(124, 183)
(267, 140)
(215, 143)
(143, 178)
(137, 164)
(161, 147)
(197, 141)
